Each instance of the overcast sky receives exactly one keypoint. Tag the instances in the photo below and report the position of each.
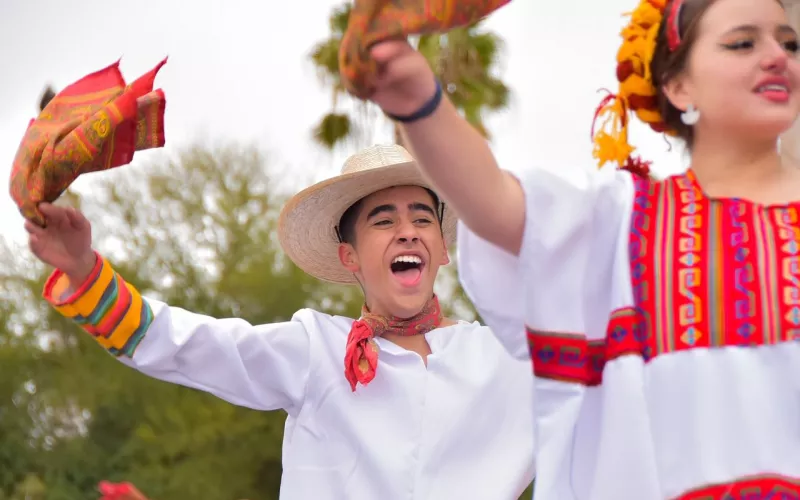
(238, 70)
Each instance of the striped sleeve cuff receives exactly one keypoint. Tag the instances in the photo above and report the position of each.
(106, 306)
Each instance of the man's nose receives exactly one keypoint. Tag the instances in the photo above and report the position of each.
(407, 233)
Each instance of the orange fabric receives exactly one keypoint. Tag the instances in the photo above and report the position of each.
(97, 123)
(373, 21)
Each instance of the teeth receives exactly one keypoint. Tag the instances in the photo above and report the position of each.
(411, 259)
(773, 86)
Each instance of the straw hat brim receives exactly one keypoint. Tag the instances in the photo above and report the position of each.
(306, 226)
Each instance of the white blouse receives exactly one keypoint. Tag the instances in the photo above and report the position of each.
(663, 327)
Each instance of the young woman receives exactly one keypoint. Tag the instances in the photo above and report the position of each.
(663, 317)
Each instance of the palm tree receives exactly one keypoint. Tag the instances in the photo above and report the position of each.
(464, 60)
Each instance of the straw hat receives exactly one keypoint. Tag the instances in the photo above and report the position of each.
(307, 224)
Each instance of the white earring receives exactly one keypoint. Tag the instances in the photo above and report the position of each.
(690, 116)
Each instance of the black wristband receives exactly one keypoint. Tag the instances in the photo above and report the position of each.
(426, 110)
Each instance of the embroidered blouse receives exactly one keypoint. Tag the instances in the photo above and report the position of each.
(663, 327)
(451, 430)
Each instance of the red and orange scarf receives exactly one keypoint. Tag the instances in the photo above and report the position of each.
(361, 353)
(96, 123)
(374, 21)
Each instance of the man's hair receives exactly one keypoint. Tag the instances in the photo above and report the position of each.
(347, 224)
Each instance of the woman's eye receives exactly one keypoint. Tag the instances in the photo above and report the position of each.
(740, 45)
(791, 46)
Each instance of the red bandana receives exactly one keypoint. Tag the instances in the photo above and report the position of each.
(361, 353)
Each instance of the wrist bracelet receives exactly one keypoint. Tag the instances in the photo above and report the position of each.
(426, 110)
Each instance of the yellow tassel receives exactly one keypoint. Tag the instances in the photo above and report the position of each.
(637, 49)
(611, 140)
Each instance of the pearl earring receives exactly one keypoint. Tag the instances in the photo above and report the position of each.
(690, 116)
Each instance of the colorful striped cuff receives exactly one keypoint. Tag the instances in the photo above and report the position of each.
(106, 306)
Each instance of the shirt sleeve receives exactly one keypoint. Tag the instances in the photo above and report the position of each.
(264, 367)
(562, 284)
(572, 224)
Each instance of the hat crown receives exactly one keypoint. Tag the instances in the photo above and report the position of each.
(376, 157)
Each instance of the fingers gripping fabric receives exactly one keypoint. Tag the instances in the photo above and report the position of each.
(373, 21)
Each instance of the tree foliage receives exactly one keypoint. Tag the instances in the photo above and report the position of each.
(465, 60)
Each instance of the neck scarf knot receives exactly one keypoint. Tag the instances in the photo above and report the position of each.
(361, 353)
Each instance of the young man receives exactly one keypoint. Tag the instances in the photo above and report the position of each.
(401, 404)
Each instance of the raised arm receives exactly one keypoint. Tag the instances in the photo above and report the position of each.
(450, 151)
(263, 367)
(458, 160)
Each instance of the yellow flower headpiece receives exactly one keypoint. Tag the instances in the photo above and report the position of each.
(636, 91)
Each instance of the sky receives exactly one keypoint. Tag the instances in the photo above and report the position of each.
(239, 71)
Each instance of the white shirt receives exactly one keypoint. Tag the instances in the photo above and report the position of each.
(459, 429)
(664, 327)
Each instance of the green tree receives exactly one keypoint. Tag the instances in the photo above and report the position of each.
(198, 232)
(465, 60)
(31, 488)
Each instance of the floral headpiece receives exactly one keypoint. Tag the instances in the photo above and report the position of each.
(636, 93)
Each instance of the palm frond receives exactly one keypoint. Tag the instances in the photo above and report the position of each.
(465, 60)
(332, 130)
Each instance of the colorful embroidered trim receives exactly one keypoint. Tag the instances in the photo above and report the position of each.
(572, 358)
(713, 272)
(705, 273)
(756, 488)
(107, 307)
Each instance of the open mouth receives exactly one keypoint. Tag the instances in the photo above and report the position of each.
(774, 92)
(407, 269)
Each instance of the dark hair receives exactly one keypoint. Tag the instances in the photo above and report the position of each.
(347, 223)
(47, 96)
(666, 65)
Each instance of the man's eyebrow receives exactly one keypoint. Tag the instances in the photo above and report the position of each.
(380, 209)
(421, 207)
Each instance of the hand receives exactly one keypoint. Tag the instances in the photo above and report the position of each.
(405, 80)
(66, 242)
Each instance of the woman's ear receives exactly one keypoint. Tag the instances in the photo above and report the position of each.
(677, 91)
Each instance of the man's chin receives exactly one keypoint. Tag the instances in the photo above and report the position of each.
(410, 304)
